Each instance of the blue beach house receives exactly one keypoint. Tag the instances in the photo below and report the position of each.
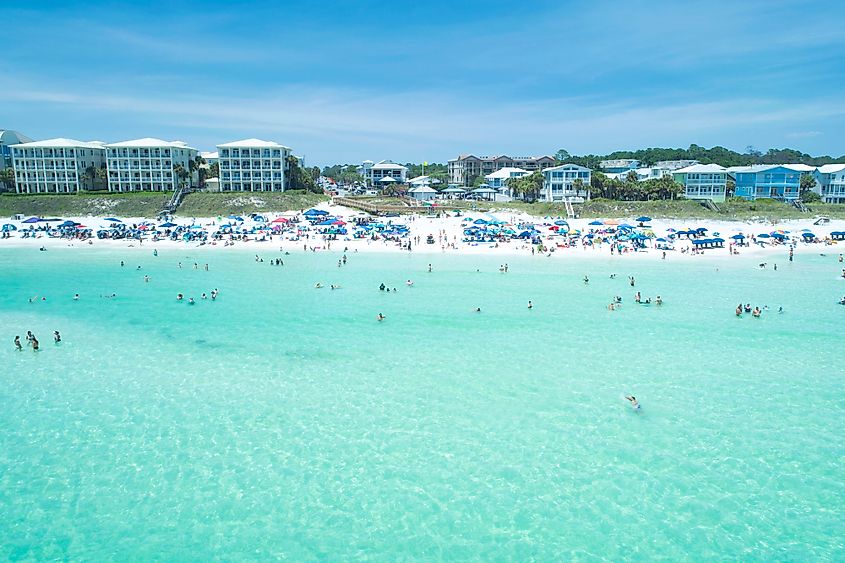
(781, 182)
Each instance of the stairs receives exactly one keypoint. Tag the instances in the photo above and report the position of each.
(176, 199)
(800, 206)
(570, 211)
(709, 204)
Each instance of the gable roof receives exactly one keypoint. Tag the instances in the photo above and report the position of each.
(60, 143)
(252, 144)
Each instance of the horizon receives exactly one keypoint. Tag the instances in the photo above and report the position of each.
(412, 86)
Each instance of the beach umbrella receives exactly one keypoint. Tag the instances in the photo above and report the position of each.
(643, 219)
(596, 223)
(561, 223)
(671, 230)
(9, 227)
(808, 235)
(738, 237)
(625, 226)
(764, 235)
(68, 224)
(32, 220)
(235, 218)
(611, 222)
(167, 225)
(113, 220)
(280, 220)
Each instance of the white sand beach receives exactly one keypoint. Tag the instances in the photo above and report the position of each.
(447, 232)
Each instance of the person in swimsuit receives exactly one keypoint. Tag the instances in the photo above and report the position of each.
(633, 400)
(18, 343)
(57, 337)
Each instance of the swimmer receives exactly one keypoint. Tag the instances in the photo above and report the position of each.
(147, 279)
(478, 309)
(380, 317)
(178, 297)
(659, 301)
(530, 305)
(29, 336)
(780, 309)
(586, 280)
(155, 252)
(35, 344)
(409, 283)
(429, 266)
(57, 337)
(381, 287)
(318, 285)
(611, 306)
(756, 312)
(203, 296)
(739, 310)
(121, 263)
(18, 343)
(634, 403)
(76, 297)
(191, 301)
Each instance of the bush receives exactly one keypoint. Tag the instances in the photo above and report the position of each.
(811, 197)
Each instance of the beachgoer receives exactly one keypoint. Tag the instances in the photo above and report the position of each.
(739, 310)
(178, 297)
(29, 336)
(478, 309)
(57, 337)
(659, 301)
(318, 285)
(35, 344)
(381, 287)
(530, 305)
(409, 283)
(191, 301)
(634, 403)
(756, 312)
(380, 317)
(18, 343)
(203, 296)
(76, 297)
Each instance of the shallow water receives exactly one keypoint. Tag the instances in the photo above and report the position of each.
(283, 420)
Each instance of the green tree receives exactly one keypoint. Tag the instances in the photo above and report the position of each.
(198, 165)
(7, 178)
(181, 174)
(214, 170)
(807, 185)
(562, 155)
(300, 179)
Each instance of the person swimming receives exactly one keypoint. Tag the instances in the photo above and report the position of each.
(318, 285)
(35, 344)
(530, 305)
(191, 301)
(381, 287)
(756, 313)
(380, 317)
(658, 301)
(179, 297)
(203, 296)
(18, 343)
(76, 297)
(409, 283)
(634, 403)
(739, 310)
(57, 337)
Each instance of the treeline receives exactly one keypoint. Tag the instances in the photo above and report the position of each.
(715, 155)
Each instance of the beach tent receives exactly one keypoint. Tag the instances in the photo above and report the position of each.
(837, 235)
(68, 224)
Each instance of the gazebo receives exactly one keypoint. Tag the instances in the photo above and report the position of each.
(422, 193)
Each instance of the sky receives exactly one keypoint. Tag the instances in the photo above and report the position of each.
(420, 81)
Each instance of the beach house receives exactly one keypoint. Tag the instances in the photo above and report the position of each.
(498, 180)
(253, 165)
(703, 181)
(561, 183)
(149, 165)
(774, 181)
(7, 139)
(619, 165)
(58, 166)
(382, 173)
(830, 182)
(466, 168)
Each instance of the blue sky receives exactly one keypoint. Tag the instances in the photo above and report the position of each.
(413, 81)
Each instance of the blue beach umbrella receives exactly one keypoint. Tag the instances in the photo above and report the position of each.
(167, 225)
(643, 219)
(764, 235)
(561, 223)
(808, 235)
(32, 220)
(113, 220)
(738, 237)
(596, 223)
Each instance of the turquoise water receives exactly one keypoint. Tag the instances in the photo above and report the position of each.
(284, 421)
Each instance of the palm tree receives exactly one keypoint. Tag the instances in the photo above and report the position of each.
(103, 178)
(7, 178)
(88, 176)
(181, 175)
(199, 166)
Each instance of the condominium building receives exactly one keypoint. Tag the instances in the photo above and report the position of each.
(148, 165)
(703, 181)
(561, 183)
(772, 181)
(466, 168)
(830, 182)
(253, 165)
(7, 139)
(374, 174)
(57, 165)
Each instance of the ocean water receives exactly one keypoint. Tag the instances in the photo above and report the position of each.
(285, 421)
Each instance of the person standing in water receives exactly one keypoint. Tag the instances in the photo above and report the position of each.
(57, 337)
(18, 343)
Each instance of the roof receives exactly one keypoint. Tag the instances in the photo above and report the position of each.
(567, 167)
(9, 137)
(829, 168)
(252, 144)
(754, 168)
(61, 142)
(506, 172)
(150, 142)
(387, 165)
(701, 168)
(209, 155)
(423, 190)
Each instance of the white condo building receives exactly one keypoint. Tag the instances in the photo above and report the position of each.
(56, 165)
(253, 165)
(147, 164)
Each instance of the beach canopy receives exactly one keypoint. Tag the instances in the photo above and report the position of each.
(808, 235)
(484, 190)
(68, 224)
(315, 213)
(764, 235)
(280, 220)
(451, 190)
(596, 223)
(9, 227)
(643, 219)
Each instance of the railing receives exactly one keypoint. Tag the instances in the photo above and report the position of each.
(800, 206)
(570, 211)
(378, 209)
